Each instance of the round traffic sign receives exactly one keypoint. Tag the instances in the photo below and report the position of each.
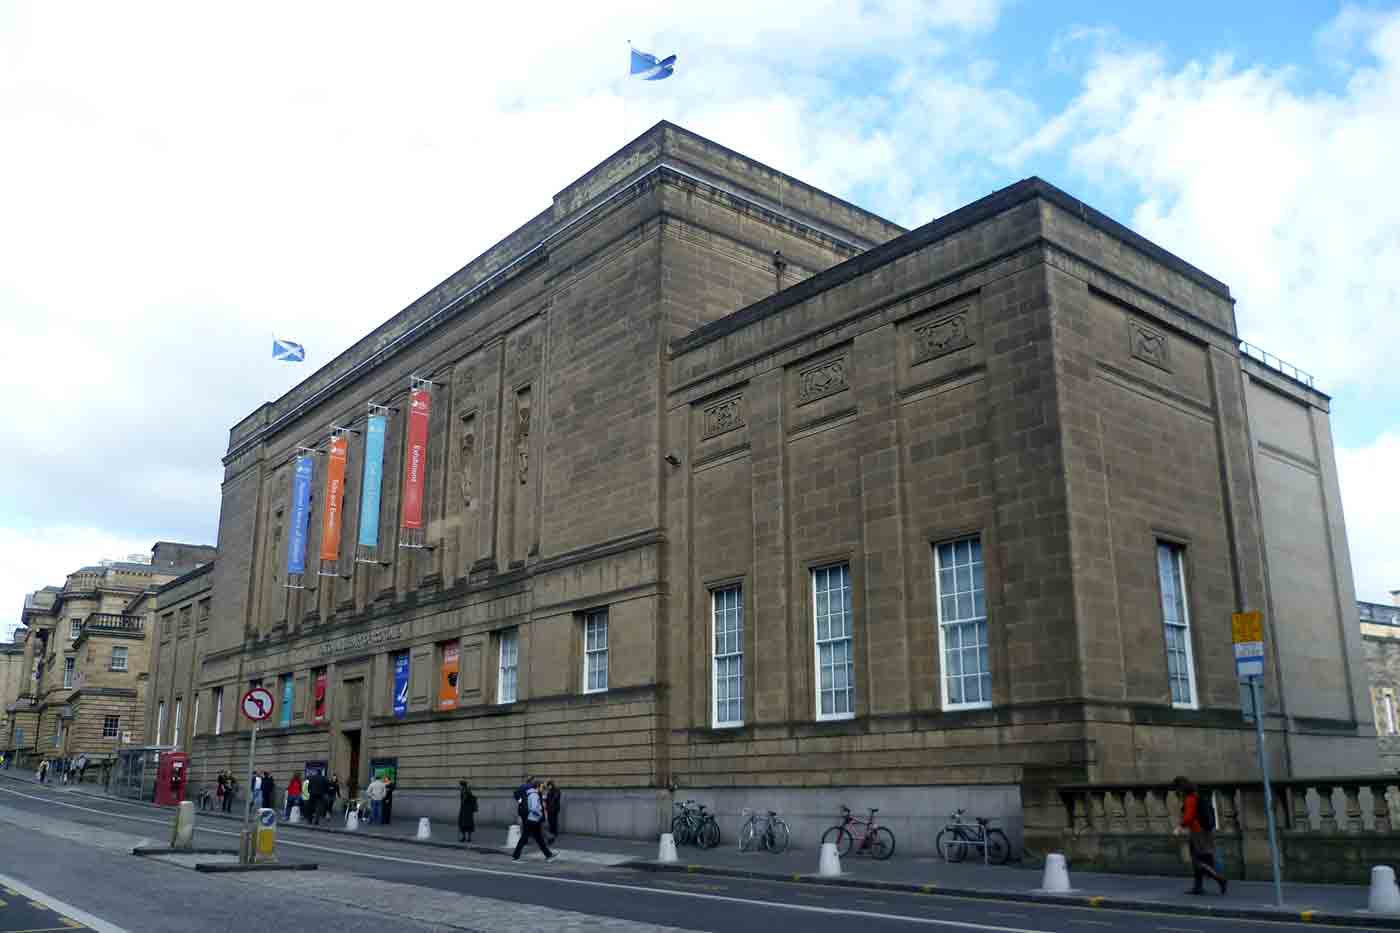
(257, 703)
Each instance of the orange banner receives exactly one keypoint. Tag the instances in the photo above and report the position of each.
(447, 685)
(335, 498)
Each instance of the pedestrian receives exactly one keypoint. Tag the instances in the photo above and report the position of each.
(334, 791)
(1198, 820)
(533, 817)
(293, 795)
(316, 797)
(255, 791)
(388, 799)
(220, 786)
(375, 793)
(553, 800)
(466, 812)
(269, 791)
(230, 790)
(43, 773)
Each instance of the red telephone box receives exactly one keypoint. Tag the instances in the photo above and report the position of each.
(172, 775)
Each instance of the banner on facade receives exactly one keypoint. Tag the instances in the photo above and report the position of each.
(401, 685)
(301, 516)
(368, 551)
(447, 686)
(288, 695)
(331, 512)
(318, 694)
(415, 459)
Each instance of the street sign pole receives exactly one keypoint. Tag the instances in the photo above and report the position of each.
(245, 838)
(1257, 694)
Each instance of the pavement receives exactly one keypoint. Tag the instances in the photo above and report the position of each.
(1308, 903)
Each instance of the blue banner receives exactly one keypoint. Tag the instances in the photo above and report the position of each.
(287, 697)
(401, 684)
(374, 474)
(301, 515)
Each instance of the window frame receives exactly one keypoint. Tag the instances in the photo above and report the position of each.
(592, 617)
(70, 671)
(175, 721)
(1178, 551)
(194, 716)
(218, 711)
(125, 657)
(715, 657)
(508, 638)
(116, 726)
(160, 720)
(75, 628)
(943, 624)
(850, 639)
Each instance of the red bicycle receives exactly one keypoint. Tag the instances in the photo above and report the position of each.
(875, 840)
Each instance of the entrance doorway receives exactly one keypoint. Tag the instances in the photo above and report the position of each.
(350, 755)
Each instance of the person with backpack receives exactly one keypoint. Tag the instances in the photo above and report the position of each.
(1198, 820)
(531, 810)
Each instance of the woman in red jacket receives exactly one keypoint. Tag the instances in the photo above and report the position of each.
(1201, 841)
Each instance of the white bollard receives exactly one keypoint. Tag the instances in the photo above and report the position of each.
(667, 851)
(1385, 896)
(182, 833)
(352, 819)
(1056, 877)
(513, 837)
(295, 815)
(830, 863)
(425, 829)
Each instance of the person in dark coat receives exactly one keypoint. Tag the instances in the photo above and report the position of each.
(553, 799)
(269, 791)
(466, 813)
(316, 797)
(388, 800)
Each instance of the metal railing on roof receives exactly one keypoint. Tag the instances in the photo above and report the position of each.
(1273, 362)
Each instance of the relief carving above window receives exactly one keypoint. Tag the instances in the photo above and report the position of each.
(723, 416)
(823, 379)
(1149, 346)
(941, 337)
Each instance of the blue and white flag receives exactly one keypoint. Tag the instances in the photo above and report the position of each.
(650, 68)
(287, 351)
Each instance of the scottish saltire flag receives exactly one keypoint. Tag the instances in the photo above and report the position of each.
(287, 351)
(649, 68)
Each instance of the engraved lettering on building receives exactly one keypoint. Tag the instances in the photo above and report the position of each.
(939, 338)
(819, 381)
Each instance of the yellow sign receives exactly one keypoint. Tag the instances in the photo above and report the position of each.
(1247, 626)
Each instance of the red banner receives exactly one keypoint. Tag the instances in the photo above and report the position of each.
(415, 458)
(335, 496)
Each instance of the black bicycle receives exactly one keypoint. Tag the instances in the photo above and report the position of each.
(959, 836)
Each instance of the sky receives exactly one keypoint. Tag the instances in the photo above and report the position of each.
(178, 182)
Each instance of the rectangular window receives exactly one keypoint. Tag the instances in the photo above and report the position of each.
(175, 723)
(68, 666)
(595, 651)
(109, 727)
(288, 697)
(119, 657)
(962, 623)
(160, 720)
(194, 719)
(1176, 624)
(831, 611)
(204, 609)
(218, 711)
(727, 614)
(508, 676)
(75, 628)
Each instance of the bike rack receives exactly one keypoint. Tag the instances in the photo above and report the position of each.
(947, 846)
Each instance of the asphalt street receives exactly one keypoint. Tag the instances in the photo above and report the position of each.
(76, 848)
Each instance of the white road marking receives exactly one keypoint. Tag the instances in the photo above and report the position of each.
(53, 903)
(578, 882)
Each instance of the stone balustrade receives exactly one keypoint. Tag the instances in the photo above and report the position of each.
(1331, 829)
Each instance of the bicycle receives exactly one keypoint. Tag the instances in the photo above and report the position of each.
(878, 841)
(693, 826)
(954, 840)
(770, 833)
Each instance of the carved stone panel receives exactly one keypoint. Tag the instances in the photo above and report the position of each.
(940, 337)
(1149, 346)
(822, 379)
(722, 417)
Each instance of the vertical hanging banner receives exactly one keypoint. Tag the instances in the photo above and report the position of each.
(331, 517)
(401, 685)
(447, 686)
(301, 516)
(414, 460)
(368, 550)
(318, 697)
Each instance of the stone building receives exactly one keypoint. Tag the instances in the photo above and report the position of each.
(179, 613)
(12, 677)
(732, 490)
(87, 655)
(1380, 637)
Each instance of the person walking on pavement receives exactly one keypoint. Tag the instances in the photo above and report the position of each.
(466, 812)
(316, 797)
(1198, 819)
(553, 799)
(333, 792)
(388, 799)
(293, 795)
(269, 791)
(43, 772)
(534, 816)
(230, 789)
(375, 792)
(255, 792)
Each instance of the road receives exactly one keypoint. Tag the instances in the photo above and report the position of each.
(76, 848)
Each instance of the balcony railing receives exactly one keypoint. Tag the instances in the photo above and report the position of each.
(98, 623)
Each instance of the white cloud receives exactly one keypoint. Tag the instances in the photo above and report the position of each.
(45, 557)
(1373, 515)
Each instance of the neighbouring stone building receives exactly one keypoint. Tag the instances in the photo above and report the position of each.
(1380, 637)
(735, 491)
(12, 675)
(86, 657)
